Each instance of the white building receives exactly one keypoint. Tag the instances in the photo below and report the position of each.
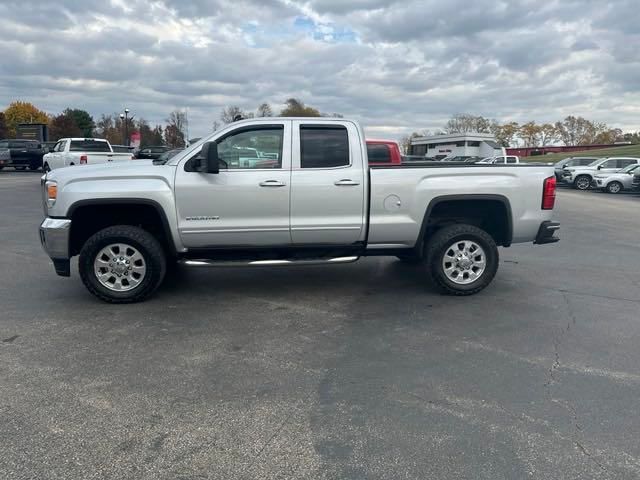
(456, 145)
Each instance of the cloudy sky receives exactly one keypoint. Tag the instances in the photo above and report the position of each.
(397, 66)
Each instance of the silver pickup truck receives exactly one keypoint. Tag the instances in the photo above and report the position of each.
(282, 191)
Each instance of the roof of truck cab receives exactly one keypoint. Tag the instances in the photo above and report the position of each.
(277, 119)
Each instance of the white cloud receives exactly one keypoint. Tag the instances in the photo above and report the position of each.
(396, 66)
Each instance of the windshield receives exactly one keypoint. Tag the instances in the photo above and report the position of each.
(630, 168)
(597, 162)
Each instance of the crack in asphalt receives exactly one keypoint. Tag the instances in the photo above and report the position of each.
(552, 380)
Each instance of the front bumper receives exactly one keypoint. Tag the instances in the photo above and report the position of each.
(546, 232)
(54, 236)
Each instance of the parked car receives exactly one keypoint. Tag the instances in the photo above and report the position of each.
(635, 184)
(464, 159)
(416, 159)
(321, 204)
(168, 155)
(82, 151)
(501, 159)
(617, 181)
(582, 177)
(21, 154)
(560, 166)
(122, 148)
(152, 152)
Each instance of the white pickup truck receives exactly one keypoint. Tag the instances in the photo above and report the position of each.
(81, 151)
(283, 191)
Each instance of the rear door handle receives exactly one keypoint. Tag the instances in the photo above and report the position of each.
(272, 183)
(346, 182)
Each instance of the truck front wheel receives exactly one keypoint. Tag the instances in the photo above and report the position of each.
(122, 264)
(461, 259)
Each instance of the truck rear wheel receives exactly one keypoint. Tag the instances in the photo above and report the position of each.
(461, 259)
(122, 264)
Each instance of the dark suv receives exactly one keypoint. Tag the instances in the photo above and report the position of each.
(21, 154)
(152, 153)
(635, 185)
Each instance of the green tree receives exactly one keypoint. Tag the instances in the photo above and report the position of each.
(111, 128)
(64, 126)
(264, 110)
(529, 133)
(22, 112)
(505, 134)
(232, 113)
(296, 108)
(82, 119)
(467, 123)
(3, 126)
(173, 136)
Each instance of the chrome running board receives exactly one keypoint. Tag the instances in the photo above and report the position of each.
(268, 263)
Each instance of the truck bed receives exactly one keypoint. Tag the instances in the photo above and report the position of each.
(399, 194)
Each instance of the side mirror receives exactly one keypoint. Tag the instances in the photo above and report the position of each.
(50, 149)
(599, 167)
(209, 162)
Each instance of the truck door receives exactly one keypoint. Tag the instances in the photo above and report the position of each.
(327, 183)
(247, 202)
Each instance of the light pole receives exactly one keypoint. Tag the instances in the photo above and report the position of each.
(125, 117)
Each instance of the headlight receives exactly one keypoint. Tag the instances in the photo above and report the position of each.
(51, 192)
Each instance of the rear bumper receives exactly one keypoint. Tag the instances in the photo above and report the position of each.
(546, 233)
(54, 237)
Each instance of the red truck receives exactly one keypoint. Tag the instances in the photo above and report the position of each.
(383, 153)
(386, 153)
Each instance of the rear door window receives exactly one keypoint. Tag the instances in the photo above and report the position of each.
(324, 146)
(378, 153)
(89, 146)
(625, 163)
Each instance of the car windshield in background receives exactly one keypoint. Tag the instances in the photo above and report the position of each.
(166, 156)
(89, 146)
(630, 168)
(595, 162)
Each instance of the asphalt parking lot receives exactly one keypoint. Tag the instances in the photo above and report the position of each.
(356, 371)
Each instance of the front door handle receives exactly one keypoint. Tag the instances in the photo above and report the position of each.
(272, 183)
(346, 182)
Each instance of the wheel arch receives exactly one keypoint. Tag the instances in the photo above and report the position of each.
(89, 216)
(491, 212)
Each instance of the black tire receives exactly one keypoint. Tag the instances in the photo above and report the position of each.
(34, 166)
(438, 245)
(1, 167)
(20, 168)
(582, 182)
(614, 187)
(148, 246)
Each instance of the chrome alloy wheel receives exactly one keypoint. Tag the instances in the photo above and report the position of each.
(464, 262)
(614, 187)
(583, 183)
(119, 267)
